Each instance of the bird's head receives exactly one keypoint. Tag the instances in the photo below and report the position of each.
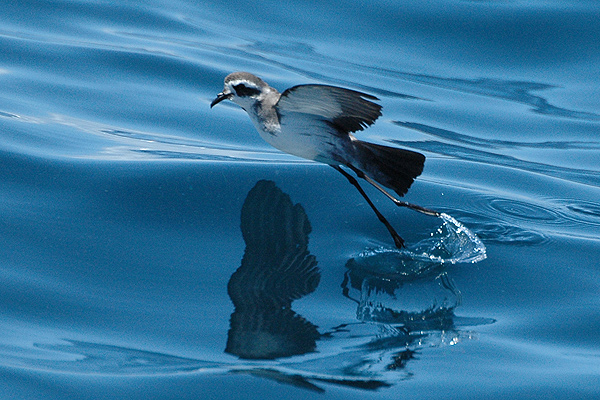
(244, 89)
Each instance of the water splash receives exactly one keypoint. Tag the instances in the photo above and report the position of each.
(451, 243)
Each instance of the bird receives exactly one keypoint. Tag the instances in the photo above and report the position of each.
(317, 122)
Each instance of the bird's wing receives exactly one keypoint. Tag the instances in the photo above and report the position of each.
(346, 110)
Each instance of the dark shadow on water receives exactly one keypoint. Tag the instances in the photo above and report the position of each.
(277, 268)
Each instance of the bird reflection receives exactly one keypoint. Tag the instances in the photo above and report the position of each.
(277, 268)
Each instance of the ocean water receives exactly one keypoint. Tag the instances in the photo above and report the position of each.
(154, 248)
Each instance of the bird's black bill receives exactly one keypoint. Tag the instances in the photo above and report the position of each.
(220, 98)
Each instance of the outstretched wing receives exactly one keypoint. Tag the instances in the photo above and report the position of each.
(344, 109)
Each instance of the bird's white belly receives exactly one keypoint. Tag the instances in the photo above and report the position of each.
(313, 140)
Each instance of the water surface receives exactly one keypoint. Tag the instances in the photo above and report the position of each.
(154, 248)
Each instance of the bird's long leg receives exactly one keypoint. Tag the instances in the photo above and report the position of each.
(398, 241)
(399, 203)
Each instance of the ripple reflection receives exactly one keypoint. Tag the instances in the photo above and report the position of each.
(526, 221)
(583, 212)
(525, 211)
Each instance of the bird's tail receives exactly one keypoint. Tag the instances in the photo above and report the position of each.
(390, 166)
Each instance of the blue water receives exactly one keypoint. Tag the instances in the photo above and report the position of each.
(153, 248)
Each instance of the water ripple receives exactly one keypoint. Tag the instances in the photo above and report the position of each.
(482, 152)
(496, 143)
(511, 90)
(525, 211)
(582, 212)
(528, 221)
(102, 141)
(494, 231)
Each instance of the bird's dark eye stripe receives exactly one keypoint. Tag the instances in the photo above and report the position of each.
(244, 91)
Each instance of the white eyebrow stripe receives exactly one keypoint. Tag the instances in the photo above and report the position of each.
(244, 82)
